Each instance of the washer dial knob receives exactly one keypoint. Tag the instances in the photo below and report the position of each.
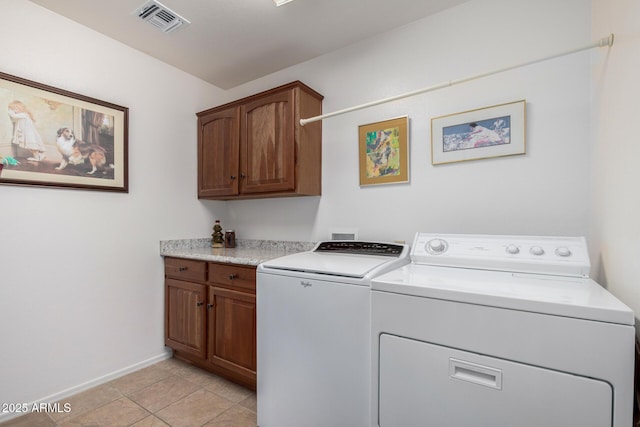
(536, 250)
(512, 249)
(436, 246)
(563, 251)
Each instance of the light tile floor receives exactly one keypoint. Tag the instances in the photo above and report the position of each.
(169, 393)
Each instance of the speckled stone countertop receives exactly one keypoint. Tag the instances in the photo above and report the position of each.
(247, 252)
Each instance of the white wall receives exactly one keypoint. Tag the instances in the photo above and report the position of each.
(615, 204)
(543, 192)
(81, 278)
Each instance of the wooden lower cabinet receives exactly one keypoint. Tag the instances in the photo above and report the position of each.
(185, 317)
(210, 317)
(232, 330)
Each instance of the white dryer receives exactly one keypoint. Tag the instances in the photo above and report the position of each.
(499, 331)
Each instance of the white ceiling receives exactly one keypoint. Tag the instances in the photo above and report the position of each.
(230, 42)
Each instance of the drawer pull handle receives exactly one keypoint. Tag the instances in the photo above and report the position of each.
(182, 268)
(199, 304)
(474, 373)
(233, 276)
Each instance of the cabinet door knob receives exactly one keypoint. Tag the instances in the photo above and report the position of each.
(199, 304)
(233, 177)
(242, 176)
(182, 268)
(233, 276)
(209, 306)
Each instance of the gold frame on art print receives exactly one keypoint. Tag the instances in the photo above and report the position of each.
(384, 152)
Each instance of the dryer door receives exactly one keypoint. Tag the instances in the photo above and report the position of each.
(425, 384)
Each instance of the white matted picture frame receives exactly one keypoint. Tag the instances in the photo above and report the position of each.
(483, 133)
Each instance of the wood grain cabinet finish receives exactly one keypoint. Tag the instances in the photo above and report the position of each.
(218, 153)
(232, 319)
(210, 318)
(232, 330)
(185, 269)
(255, 147)
(185, 316)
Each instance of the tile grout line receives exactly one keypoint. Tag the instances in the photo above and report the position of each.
(176, 369)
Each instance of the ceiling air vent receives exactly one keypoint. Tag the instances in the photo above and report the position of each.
(160, 16)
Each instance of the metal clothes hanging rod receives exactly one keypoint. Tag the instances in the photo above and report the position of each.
(605, 41)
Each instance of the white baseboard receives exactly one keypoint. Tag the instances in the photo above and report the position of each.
(90, 384)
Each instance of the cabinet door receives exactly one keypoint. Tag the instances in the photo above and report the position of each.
(185, 319)
(232, 330)
(267, 160)
(218, 158)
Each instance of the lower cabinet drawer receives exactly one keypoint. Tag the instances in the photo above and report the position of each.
(185, 269)
(233, 276)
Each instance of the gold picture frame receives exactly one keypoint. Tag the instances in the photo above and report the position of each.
(483, 133)
(384, 152)
(55, 138)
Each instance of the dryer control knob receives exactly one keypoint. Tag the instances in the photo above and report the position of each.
(536, 250)
(512, 249)
(563, 251)
(436, 246)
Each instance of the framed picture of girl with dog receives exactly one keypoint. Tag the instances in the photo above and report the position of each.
(52, 137)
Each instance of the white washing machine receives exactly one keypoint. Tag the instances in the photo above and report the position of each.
(314, 349)
(499, 331)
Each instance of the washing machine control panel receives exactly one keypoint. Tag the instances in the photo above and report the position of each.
(362, 248)
(567, 256)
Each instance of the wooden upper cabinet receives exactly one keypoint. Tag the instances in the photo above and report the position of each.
(218, 153)
(268, 148)
(256, 147)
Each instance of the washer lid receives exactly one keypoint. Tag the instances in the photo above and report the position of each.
(335, 264)
(576, 297)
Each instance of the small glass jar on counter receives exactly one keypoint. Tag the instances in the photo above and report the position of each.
(230, 239)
